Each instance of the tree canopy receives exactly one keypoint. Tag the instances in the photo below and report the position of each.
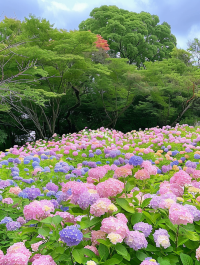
(137, 37)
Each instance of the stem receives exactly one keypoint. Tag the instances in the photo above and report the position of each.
(71, 257)
(125, 187)
(177, 237)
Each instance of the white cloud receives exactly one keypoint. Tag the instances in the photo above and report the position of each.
(60, 6)
(79, 7)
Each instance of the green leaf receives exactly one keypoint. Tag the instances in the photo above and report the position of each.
(47, 220)
(78, 255)
(148, 217)
(141, 255)
(152, 248)
(44, 231)
(121, 250)
(163, 261)
(60, 250)
(89, 223)
(125, 205)
(105, 242)
(57, 219)
(186, 259)
(103, 252)
(116, 259)
(146, 202)
(135, 218)
(191, 235)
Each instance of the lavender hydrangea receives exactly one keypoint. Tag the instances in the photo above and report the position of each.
(136, 240)
(12, 226)
(144, 228)
(161, 238)
(71, 235)
(194, 211)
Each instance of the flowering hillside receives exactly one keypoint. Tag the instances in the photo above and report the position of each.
(102, 197)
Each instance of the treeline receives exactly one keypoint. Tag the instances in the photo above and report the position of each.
(120, 70)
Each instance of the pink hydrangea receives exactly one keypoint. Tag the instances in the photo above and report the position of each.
(97, 173)
(175, 188)
(15, 259)
(181, 178)
(19, 248)
(38, 210)
(100, 207)
(196, 174)
(77, 188)
(198, 253)
(97, 235)
(122, 217)
(180, 215)
(35, 246)
(92, 248)
(142, 174)
(123, 172)
(112, 224)
(67, 217)
(15, 190)
(110, 188)
(21, 220)
(44, 260)
(8, 200)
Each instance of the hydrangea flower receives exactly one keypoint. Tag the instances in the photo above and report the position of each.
(144, 228)
(136, 240)
(71, 235)
(135, 160)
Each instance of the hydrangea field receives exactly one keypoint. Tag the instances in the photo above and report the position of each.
(102, 197)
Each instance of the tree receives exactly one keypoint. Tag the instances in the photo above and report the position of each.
(137, 37)
(194, 49)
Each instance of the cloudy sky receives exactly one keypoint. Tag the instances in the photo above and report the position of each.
(182, 15)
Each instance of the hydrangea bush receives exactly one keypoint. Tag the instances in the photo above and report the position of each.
(102, 197)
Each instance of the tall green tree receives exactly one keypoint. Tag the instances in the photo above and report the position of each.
(137, 37)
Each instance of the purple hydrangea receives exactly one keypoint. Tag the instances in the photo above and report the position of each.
(12, 226)
(52, 187)
(167, 168)
(92, 164)
(71, 235)
(144, 228)
(32, 193)
(135, 160)
(98, 152)
(154, 203)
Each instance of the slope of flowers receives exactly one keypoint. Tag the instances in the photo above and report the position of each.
(102, 197)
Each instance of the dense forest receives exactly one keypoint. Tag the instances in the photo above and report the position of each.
(120, 70)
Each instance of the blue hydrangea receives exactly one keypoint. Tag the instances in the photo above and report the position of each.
(6, 220)
(91, 155)
(36, 159)
(26, 162)
(4, 162)
(116, 162)
(196, 156)
(71, 235)
(175, 152)
(107, 162)
(10, 160)
(50, 193)
(135, 160)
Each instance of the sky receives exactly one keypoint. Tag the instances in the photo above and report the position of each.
(181, 15)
